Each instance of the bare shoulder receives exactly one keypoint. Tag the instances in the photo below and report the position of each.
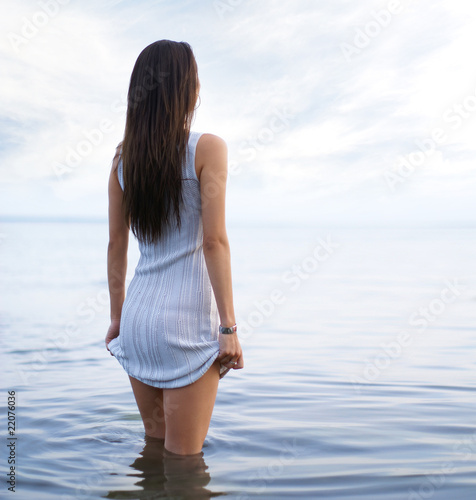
(115, 160)
(210, 143)
(212, 151)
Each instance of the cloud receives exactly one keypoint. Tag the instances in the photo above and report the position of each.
(305, 124)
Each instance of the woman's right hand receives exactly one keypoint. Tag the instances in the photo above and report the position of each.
(112, 333)
(230, 351)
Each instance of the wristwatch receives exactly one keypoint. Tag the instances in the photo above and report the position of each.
(228, 329)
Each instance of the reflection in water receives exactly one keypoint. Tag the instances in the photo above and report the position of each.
(165, 474)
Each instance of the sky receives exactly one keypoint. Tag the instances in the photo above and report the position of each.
(334, 112)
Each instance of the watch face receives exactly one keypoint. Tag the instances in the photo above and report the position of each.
(228, 329)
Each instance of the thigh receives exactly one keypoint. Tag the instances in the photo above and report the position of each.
(151, 407)
(188, 412)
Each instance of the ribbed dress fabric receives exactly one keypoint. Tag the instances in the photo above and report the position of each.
(168, 335)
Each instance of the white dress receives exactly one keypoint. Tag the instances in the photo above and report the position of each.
(168, 333)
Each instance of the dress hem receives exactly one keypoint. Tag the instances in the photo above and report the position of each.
(116, 350)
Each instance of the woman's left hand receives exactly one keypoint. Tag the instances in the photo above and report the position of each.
(112, 333)
(230, 354)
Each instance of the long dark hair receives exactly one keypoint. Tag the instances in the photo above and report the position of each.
(160, 108)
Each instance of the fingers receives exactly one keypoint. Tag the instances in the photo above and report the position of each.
(232, 361)
(239, 363)
(227, 357)
(227, 361)
(230, 353)
(107, 347)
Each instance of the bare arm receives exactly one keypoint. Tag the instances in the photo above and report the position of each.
(212, 152)
(116, 251)
(211, 159)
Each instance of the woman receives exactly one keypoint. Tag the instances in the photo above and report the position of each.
(175, 332)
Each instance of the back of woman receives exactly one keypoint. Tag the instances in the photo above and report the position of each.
(169, 322)
(174, 333)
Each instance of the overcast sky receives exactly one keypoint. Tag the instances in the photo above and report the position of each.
(325, 105)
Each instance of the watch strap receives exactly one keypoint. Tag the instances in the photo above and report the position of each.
(228, 329)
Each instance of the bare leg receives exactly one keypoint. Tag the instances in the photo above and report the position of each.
(151, 407)
(189, 411)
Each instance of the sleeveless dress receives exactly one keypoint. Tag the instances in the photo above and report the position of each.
(168, 334)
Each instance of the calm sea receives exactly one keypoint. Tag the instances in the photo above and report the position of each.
(359, 378)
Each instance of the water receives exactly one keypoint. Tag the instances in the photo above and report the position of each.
(359, 378)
